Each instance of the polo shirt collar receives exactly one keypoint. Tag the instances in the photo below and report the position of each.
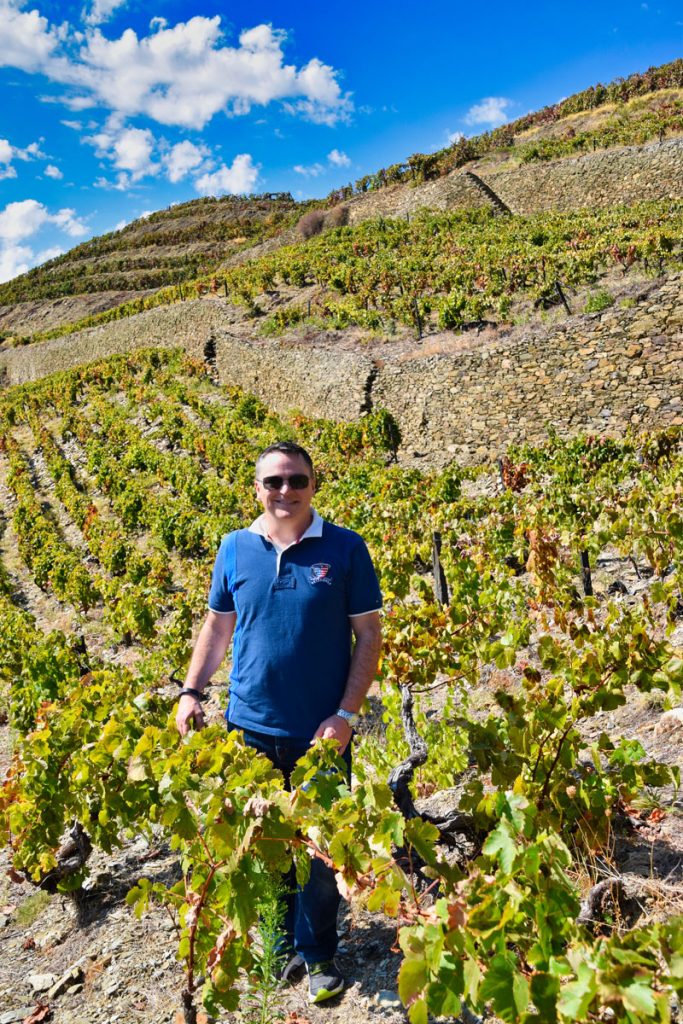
(314, 530)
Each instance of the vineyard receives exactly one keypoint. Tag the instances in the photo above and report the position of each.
(526, 606)
(437, 271)
(163, 248)
(451, 270)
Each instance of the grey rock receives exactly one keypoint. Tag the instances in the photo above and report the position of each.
(68, 980)
(41, 982)
(11, 1016)
(388, 998)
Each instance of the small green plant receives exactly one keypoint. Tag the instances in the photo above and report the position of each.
(32, 907)
(597, 301)
(263, 999)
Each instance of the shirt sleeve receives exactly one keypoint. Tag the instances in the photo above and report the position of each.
(220, 594)
(364, 594)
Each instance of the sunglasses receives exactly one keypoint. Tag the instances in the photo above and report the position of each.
(297, 482)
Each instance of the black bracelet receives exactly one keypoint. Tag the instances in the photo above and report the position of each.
(187, 691)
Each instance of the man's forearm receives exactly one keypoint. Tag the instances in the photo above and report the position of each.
(209, 650)
(363, 670)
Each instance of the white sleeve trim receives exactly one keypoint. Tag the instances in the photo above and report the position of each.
(370, 611)
(216, 612)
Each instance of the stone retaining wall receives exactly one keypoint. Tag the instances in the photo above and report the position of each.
(626, 174)
(600, 372)
(187, 324)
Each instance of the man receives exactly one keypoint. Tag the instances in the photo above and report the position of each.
(291, 590)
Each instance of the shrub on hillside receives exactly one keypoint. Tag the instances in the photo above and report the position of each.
(337, 217)
(311, 223)
(597, 301)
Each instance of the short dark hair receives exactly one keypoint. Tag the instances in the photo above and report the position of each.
(286, 448)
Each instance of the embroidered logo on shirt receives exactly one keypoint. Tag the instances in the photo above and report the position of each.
(319, 573)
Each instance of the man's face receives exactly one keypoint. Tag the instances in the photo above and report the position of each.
(285, 504)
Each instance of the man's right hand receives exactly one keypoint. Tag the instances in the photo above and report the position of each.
(189, 715)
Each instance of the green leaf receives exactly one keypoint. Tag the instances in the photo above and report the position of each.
(545, 989)
(412, 981)
(577, 996)
(638, 996)
(501, 844)
(505, 988)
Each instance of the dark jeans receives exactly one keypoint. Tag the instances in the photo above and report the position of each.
(311, 912)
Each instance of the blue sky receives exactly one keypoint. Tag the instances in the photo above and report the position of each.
(114, 108)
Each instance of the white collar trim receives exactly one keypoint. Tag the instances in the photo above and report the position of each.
(314, 530)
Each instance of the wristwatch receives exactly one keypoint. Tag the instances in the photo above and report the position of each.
(352, 717)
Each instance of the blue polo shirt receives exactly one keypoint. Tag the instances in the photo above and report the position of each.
(292, 639)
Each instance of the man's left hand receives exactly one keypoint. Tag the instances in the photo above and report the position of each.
(334, 728)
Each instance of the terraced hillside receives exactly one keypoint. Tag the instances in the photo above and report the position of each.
(172, 245)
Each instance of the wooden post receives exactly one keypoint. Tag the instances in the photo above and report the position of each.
(586, 574)
(225, 287)
(309, 307)
(418, 322)
(563, 298)
(440, 584)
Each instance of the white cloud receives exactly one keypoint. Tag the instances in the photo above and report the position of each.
(310, 171)
(49, 254)
(53, 172)
(180, 75)
(238, 179)
(14, 260)
(129, 149)
(183, 158)
(76, 125)
(9, 153)
(335, 158)
(338, 159)
(68, 221)
(454, 137)
(20, 221)
(6, 157)
(27, 41)
(100, 11)
(490, 111)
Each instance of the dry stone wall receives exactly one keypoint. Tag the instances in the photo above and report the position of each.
(601, 372)
(319, 382)
(627, 174)
(187, 324)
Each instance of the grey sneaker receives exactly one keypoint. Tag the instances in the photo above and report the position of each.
(290, 968)
(324, 981)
